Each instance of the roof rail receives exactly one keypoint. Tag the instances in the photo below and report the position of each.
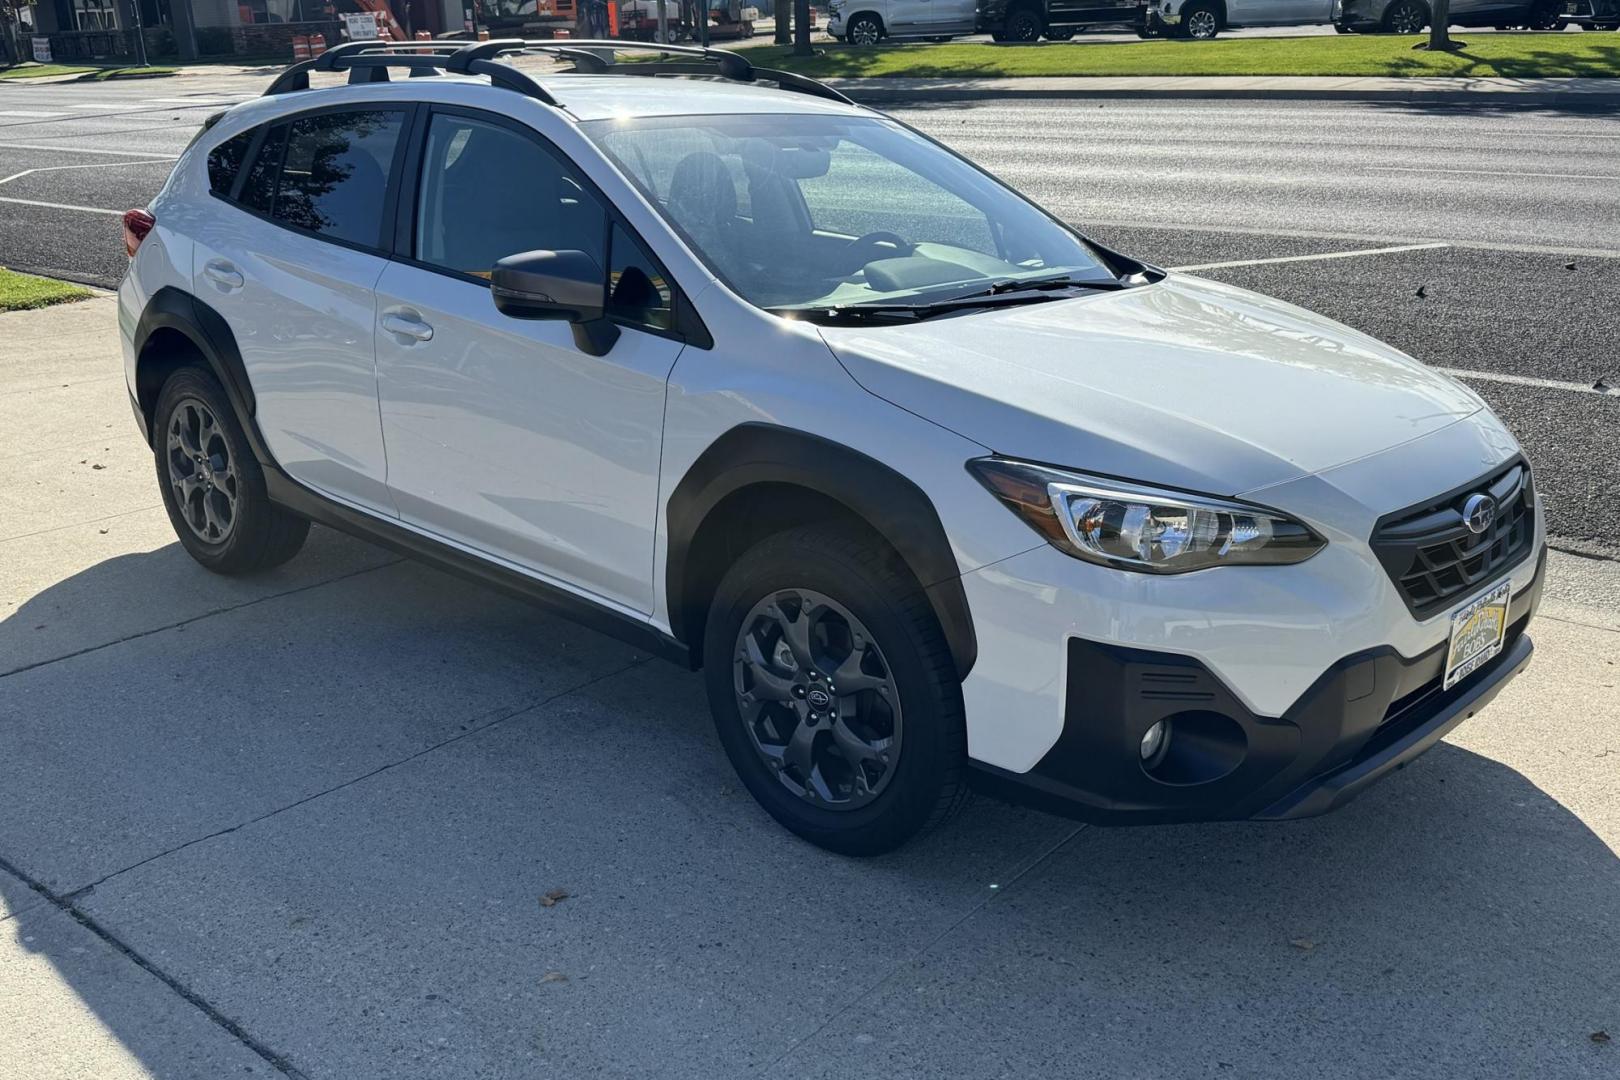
(369, 61)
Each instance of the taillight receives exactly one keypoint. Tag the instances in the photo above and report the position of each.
(137, 223)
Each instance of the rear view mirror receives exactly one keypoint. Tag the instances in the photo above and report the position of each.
(567, 286)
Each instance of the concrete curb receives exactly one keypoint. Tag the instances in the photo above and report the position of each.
(1583, 95)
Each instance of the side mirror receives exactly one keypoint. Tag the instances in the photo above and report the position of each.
(567, 286)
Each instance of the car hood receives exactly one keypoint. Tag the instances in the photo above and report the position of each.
(1186, 383)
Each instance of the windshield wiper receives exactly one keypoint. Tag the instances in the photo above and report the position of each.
(1062, 281)
(999, 294)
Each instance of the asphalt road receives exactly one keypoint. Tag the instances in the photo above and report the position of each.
(1518, 206)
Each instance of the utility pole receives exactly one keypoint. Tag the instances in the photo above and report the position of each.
(140, 35)
(801, 28)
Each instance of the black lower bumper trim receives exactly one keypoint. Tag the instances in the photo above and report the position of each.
(1366, 716)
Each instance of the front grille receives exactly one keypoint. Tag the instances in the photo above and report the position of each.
(1432, 555)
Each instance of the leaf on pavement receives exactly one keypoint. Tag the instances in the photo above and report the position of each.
(1303, 944)
(551, 898)
(553, 976)
(1601, 1037)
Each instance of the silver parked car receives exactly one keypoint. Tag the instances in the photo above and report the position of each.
(1412, 16)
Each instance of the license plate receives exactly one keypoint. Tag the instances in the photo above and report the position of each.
(1476, 633)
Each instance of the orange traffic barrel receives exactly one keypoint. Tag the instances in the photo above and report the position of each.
(317, 44)
(300, 45)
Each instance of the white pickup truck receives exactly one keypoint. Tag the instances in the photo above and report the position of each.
(1203, 19)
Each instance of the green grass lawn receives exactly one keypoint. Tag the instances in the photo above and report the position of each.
(20, 291)
(1512, 55)
(84, 71)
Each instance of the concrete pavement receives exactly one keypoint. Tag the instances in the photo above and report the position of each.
(300, 824)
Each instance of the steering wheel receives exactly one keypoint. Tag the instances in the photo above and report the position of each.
(867, 248)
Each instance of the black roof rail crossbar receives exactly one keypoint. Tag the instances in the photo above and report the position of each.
(369, 61)
(296, 77)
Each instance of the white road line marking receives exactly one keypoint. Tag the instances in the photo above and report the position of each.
(61, 206)
(94, 105)
(1526, 380)
(29, 114)
(92, 165)
(1486, 172)
(1299, 258)
(86, 150)
(1316, 234)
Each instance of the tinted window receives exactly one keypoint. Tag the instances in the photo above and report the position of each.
(259, 189)
(488, 192)
(225, 161)
(637, 290)
(335, 171)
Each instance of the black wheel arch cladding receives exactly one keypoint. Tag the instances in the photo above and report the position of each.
(209, 336)
(755, 455)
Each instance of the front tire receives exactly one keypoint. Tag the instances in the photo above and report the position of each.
(212, 486)
(1405, 17)
(833, 690)
(1200, 22)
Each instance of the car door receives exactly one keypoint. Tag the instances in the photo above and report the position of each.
(1278, 12)
(908, 17)
(502, 435)
(289, 256)
(951, 17)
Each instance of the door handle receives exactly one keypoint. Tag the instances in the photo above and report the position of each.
(405, 323)
(223, 274)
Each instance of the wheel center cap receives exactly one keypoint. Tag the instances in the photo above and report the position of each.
(819, 699)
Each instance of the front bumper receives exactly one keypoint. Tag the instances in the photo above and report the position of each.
(1365, 717)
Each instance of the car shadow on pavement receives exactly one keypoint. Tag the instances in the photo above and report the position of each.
(341, 858)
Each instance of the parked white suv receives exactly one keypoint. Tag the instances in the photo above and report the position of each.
(934, 489)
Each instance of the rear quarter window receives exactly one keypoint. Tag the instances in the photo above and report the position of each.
(225, 162)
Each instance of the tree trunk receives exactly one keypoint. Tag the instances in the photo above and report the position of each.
(801, 28)
(782, 12)
(1439, 25)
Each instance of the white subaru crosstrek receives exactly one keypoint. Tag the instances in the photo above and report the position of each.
(938, 492)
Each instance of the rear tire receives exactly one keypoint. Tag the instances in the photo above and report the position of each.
(212, 485)
(900, 699)
(864, 30)
(1023, 24)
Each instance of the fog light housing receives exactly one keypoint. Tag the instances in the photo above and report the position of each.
(1155, 742)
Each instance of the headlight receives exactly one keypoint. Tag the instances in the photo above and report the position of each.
(1149, 530)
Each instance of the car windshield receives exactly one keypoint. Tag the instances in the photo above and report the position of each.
(802, 212)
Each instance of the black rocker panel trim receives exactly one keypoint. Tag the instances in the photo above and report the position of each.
(291, 495)
(765, 454)
(211, 336)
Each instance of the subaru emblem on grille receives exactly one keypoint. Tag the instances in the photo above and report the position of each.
(1478, 512)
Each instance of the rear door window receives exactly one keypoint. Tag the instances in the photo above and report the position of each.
(334, 173)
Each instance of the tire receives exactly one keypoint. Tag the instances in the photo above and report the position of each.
(864, 29)
(212, 485)
(1343, 28)
(1023, 24)
(1200, 22)
(1405, 17)
(912, 757)
(997, 36)
(1546, 15)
